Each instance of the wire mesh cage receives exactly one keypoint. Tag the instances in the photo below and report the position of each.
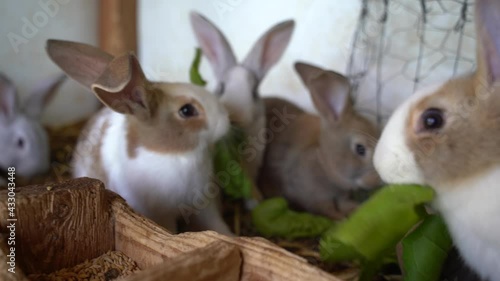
(401, 46)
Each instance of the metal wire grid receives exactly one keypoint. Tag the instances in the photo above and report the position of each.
(401, 45)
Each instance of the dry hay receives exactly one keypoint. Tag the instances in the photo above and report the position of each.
(109, 266)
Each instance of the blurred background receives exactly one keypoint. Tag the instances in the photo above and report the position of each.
(389, 48)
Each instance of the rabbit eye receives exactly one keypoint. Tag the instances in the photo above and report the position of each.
(432, 119)
(360, 149)
(20, 142)
(221, 89)
(255, 92)
(187, 111)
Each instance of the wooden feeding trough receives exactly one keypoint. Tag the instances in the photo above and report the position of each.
(65, 225)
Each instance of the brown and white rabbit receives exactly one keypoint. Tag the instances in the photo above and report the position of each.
(23, 139)
(151, 143)
(316, 161)
(448, 137)
(238, 83)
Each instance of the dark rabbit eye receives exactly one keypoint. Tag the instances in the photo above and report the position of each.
(432, 119)
(360, 149)
(187, 111)
(221, 89)
(20, 142)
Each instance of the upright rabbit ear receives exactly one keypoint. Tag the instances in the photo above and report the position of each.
(8, 98)
(329, 90)
(214, 45)
(269, 48)
(81, 62)
(307, 71)
(42, 95)
(123, 87)
(488, 30)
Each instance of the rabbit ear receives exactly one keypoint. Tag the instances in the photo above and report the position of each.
(329, 90)
(214, 45)
(81, 62)
(8, 98)
(269, 48)
(42, 95)
(123, 87)
(488, 29)
(307, 71)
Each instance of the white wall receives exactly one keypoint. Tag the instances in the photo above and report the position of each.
(22, 52)
(323, 36)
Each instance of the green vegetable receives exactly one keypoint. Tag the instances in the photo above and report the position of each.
(426, 249)
(227, 160)
(227, 166)
(376, 227)
(194, 73)
(273, 218)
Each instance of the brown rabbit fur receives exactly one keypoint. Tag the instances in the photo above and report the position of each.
(316, 161)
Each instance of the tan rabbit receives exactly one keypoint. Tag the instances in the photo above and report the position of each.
(316, 161)
(448, 137)
(238, 83)
(151, 143)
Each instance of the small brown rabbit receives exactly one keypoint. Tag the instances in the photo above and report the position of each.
(316, 161)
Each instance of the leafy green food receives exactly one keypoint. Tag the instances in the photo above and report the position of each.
(194, 73)
(273, 218)
(376, 227)
(426, 249)
(228, 169)
(227, 159)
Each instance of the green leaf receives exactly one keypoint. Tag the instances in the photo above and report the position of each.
(375, 228)
(194, 74)
(426, 249)
(228, 169)
(273, 218)
(370, 269)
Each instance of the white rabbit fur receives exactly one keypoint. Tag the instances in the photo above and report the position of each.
(23, 139)
(447, 137)
(140, 145)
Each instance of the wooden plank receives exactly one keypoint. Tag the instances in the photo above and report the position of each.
(118, 26)
(149, 244)
(60, 226)
(217, 261)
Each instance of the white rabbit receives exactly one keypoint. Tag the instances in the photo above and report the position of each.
(448, 137)
(151, 143)
(238, 83)
(23, 139)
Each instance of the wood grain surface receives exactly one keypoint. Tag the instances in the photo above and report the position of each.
(217, 261)
(118, 26)
(262, 260)
(64, 224)
(60, 227)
